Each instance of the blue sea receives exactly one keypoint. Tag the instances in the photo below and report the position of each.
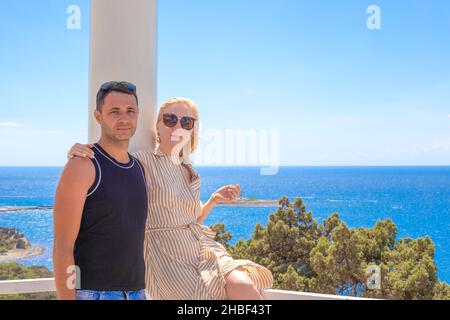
(417, 199)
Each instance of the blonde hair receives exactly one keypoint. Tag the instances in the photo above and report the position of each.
(191, 105)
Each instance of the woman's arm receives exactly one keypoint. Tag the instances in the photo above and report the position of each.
(222, 195)
(206, 209)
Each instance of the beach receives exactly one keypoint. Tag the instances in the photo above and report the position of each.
(20, 254)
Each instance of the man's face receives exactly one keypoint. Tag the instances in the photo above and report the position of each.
(119, 115)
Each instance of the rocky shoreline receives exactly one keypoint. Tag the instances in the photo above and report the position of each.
(20, 254)
(15, 246)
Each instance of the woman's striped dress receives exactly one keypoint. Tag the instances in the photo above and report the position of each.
(183, 261)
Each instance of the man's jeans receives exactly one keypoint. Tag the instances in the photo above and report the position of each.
(110, 295)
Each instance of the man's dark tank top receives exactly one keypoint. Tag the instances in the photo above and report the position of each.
(109, 249)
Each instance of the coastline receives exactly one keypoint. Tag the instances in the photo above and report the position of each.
(237, 203)
(251, 203)
(20, 254)
(23, 208)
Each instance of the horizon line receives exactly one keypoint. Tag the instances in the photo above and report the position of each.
(266, 166)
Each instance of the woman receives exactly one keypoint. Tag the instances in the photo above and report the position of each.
(183, 261)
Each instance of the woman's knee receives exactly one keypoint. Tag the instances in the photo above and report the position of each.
(239, 286)
(239, 280)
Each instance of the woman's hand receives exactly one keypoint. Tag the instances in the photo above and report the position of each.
(226, 194)
(81, 150)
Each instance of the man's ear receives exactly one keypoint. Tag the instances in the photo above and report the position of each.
(97, 116)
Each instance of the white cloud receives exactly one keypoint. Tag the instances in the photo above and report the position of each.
(56, 132)
(12, 125)
(249, 91)
(443, 144)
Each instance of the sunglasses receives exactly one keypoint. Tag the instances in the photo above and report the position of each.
(114, 84)
(171, 120)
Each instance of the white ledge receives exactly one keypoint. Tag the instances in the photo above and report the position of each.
(27, 286)
(48, 285)
(274, 294)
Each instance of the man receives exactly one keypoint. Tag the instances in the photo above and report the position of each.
(101, 208)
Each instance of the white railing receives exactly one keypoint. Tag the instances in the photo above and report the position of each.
(48, 285)
(27, 286)
(273, 294)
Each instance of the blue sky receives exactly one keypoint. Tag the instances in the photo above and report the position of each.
(338, 93)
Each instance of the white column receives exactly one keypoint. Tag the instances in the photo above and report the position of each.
(123, 47)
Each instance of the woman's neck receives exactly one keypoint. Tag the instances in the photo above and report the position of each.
(170, 150)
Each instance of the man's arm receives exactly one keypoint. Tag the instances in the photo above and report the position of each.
(75, 181)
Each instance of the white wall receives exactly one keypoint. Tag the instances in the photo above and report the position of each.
(123, 47)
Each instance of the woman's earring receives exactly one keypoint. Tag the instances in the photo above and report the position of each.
(158, 138)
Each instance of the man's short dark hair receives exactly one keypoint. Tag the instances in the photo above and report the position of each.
(115, 86)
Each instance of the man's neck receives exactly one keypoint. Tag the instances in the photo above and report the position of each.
(116, 149)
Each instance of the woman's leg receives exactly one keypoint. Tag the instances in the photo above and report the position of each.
(239, 286)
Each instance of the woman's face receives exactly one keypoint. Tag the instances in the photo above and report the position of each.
(175, 137)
